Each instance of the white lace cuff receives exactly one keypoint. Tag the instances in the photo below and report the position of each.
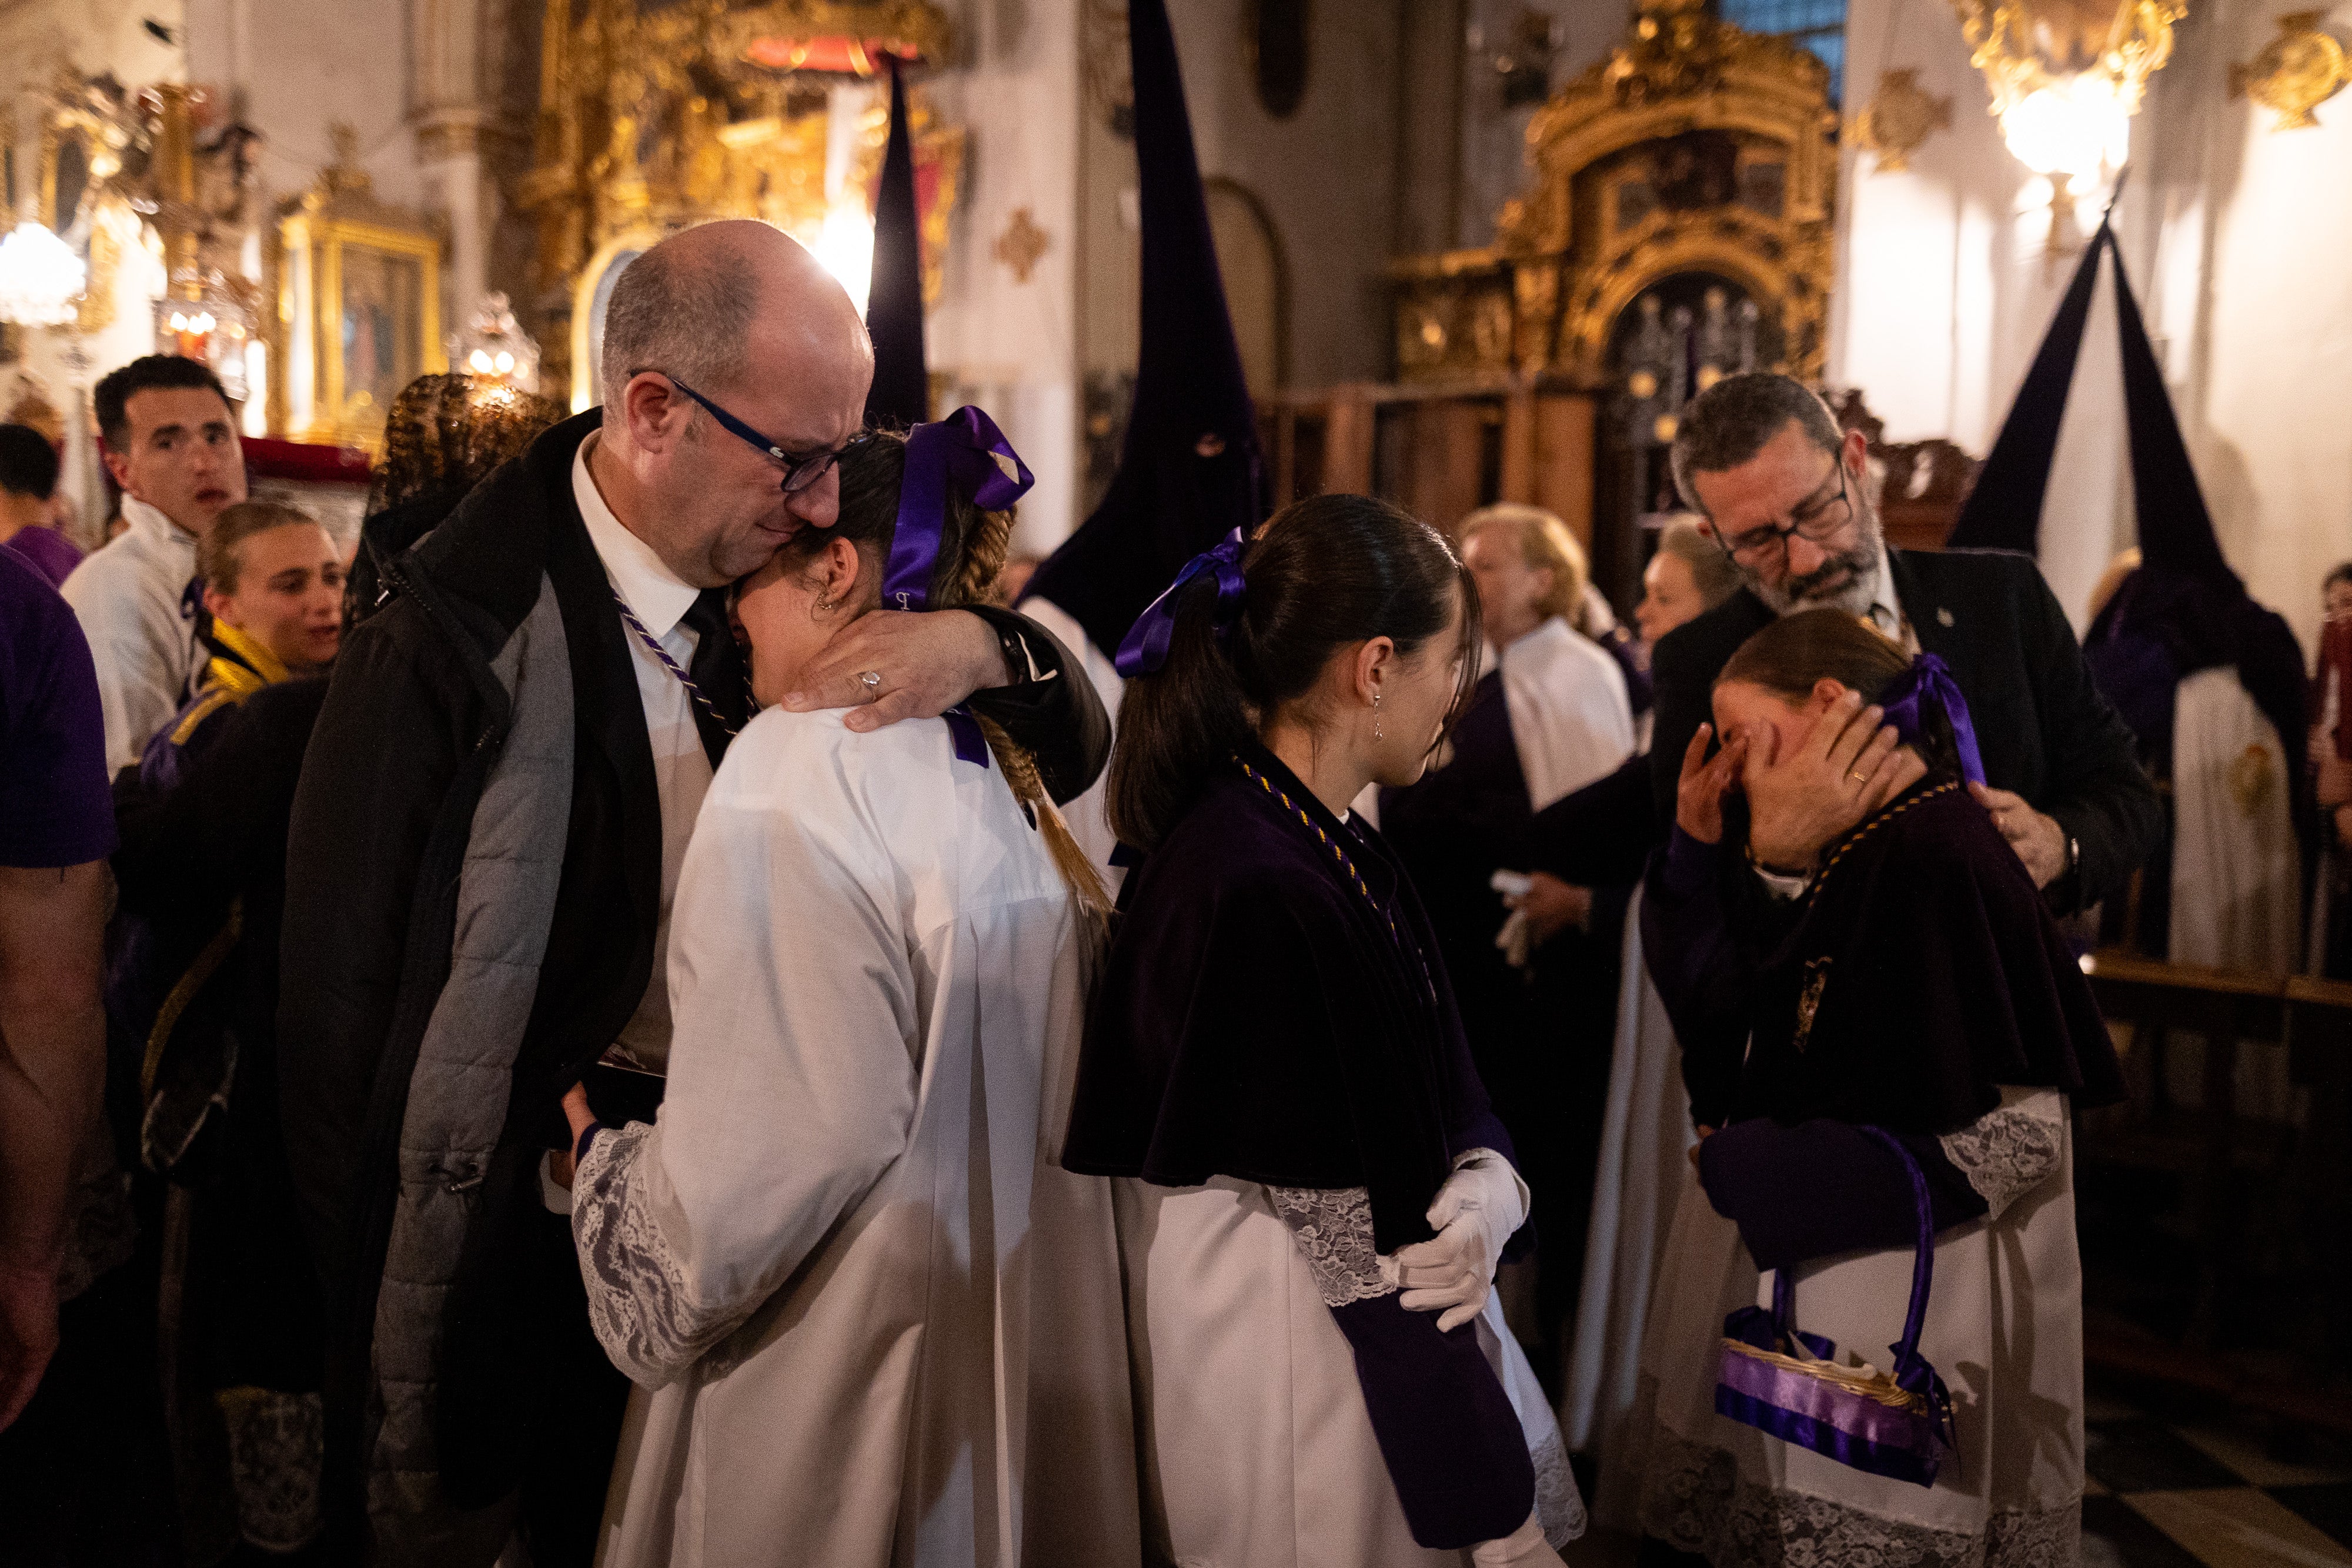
(1333, 1229)
(638, 1302)
(2007, 1152)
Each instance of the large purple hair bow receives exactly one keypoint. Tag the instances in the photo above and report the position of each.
(1930, 676)
(963, 452)
(1145, 647)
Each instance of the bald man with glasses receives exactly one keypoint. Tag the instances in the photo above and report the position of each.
(487, 839)
(1784, 493)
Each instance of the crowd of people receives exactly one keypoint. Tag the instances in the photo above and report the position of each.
(574, 1029)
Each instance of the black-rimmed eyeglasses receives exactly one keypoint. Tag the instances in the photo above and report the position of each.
(800, 470)
(1818, 522)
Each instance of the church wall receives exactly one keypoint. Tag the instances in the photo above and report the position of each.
(1945, 290)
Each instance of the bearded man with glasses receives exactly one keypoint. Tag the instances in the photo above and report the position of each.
(1785, 493)
(492, 817)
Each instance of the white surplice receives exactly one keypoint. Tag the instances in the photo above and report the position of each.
(1644, 1140)
(1570, 717)
(1260, 1451)
(871, 1321)
(2003, 1327)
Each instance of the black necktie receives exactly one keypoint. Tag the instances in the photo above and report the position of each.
(718, 672)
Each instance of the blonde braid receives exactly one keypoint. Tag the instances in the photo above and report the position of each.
(985, 543)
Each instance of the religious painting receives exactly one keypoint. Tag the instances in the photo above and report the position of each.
(380, 324)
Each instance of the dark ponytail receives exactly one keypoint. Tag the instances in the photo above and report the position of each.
(1322, 574)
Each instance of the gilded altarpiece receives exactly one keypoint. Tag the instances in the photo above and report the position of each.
(1695, 147)
(655, 117)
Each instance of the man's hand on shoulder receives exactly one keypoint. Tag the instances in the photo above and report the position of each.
(927, 663)
(2038, 840)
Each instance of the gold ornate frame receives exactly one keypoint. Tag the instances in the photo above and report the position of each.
(315, 231)
(1544, 297)
(653, 120)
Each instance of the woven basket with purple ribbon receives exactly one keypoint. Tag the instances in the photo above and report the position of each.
(1793, 1386)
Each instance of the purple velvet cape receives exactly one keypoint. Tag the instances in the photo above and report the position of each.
(1256, 1019)
(1942, 976)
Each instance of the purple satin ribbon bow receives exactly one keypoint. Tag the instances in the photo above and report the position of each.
(1930, 676)
(967, 452)
(1145, 647)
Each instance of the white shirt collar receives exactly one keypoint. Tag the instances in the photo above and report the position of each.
(1885, 598)
(150, 524)
(654, 593)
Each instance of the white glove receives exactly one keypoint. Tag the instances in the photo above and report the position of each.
(1523, 1548)
(1481, 1204)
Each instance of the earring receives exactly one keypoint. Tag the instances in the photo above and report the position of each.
(824, 605)
(1377, 734)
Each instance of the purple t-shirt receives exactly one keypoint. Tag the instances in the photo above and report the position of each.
(52, 553)
(55, 809)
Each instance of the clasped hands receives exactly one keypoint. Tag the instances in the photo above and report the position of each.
(1843, 773)
(1481, 1204)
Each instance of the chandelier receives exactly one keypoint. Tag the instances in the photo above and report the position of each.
(495, 348)
(202, 316)
(2067, 77)
(41, 279)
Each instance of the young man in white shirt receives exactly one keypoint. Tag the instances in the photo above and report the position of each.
(171, 443)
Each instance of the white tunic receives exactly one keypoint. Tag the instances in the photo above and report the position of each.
(1260, 1451)
(127, 598)
(1571, 718)
(1645, 1138)
(871, 1321)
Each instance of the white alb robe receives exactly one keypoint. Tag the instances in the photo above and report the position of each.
(2237, 870)
(1572, 720)
(871, 1321)
(1644, 1142)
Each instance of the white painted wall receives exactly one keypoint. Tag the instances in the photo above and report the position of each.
(2235, 236)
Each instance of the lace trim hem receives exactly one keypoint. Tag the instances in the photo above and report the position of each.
(1694, 1500)
(1559, 1507)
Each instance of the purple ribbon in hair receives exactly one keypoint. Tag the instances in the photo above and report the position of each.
(1930, 676)
(963, 452)
(1145, 647)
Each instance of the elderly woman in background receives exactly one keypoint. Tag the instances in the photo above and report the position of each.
(1548, 716)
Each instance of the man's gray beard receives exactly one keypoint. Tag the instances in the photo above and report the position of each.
(1855, 598)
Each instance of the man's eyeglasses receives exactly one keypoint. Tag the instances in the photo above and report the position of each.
(1817, 521)
(800, 470)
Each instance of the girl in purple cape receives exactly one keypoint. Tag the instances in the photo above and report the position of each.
(1312, 1192)
(1908, 977)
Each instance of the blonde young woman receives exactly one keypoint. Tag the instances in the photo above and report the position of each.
(870, 1320)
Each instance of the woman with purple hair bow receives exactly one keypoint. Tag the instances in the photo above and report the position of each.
(870, 1319)
(1907, 980)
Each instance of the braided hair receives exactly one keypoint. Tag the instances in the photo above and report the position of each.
(972, 546)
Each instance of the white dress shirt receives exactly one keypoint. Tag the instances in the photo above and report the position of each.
(127, 598)
(660, 598)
